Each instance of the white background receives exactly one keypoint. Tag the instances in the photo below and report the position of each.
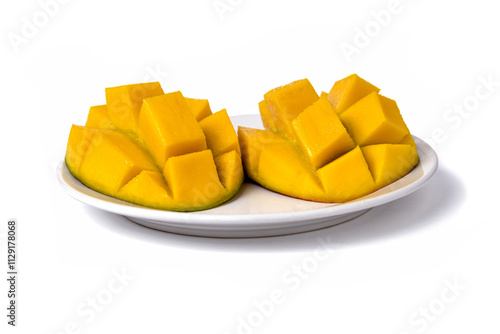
(388, 272)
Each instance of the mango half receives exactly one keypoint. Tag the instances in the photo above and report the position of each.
(330, 148)
(157, 150)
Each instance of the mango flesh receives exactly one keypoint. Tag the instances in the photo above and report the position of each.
(124, 103)
(286, 102)
(334, 148)
(172, 154)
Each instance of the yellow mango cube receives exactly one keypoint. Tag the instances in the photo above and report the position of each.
(168, 128)
(287, 102)
(229, 169)
(282, 167)
(124, 103)
(149, 188)
(375, 119)
(192, 178)
(98, 118)
(252, 142)
(113, 160)
(347, 177)
(348, 91)
(199, 108)
(79, 141)
(321, 134)
(389, 162)
(265, 115)
(219, 133)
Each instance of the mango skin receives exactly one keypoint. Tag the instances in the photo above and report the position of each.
(159, 158)
(336, 148)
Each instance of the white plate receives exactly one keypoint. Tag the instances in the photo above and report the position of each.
(255, 211)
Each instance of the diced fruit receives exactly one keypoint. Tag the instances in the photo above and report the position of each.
(168, 128)
(149, 188)
(337, 148)
(193, 178)
(349, 90)
(219, 133)
(229, 169)
(287, 102)
(389, 162)
(321, 134)
(199, 108)
(159, 157)
(124, 103)
(347, 177)
(252, 142)
(282, 162)
(265, 115)
(98, 118)
(113, 160)
(79, 141)
(375, 119)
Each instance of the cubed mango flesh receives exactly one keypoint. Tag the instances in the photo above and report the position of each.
(374, 119)
(349, 90)
(321, 134)
(347, 177)
(287, 102)
(124, 103)
(112, 160)
(389, 162)
(200, 108)
(172, 154)
(168, 127)
(99, 118)
(219, 133)
(252, 142)
(337, 148)
(265, 115)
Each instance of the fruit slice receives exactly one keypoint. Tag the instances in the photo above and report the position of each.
(161, 158)
(348, 91)
(347, 177)
(286, 102)
(265, 115)
(252, 142)
(337, 148)
(199, 108)
(168, 127)
(375, 119)
(99, 118)
(389, 162)
(321, 134)
(219, 132)
(149, 188)
(111, 161)
(124, 103)
(193, 179)
(275, 173)
(229, 169)
(79, 141)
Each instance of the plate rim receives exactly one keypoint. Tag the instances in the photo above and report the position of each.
(428, 162)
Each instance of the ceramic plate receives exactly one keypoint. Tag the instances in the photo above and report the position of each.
(255, 211)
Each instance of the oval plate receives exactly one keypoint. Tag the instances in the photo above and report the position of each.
(256, 211)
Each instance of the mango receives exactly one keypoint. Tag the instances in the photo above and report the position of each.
(286, 102)
(124, 103)
(375, 119)
(349, 90)
(165, 151)
(334, 148)
(321, 134)
(168, 127)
